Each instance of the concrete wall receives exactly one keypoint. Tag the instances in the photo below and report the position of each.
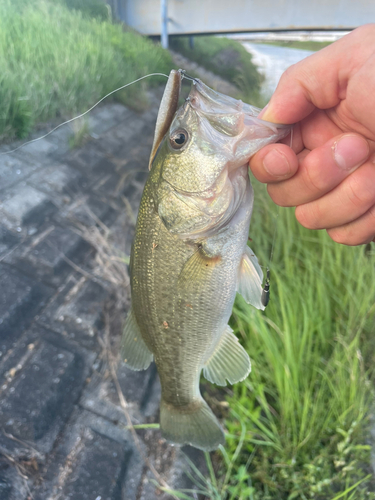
(216, 16)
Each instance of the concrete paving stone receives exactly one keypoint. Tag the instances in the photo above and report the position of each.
(133, 131)
(42, 379)
(44, 257)
(12, 485)
(104, 118)
(13, 170)
(20, 299)
(150, 402)
(61, 138)
(6, 485)
(109, 186)
(25, 206)
(76, 310)
(127, 184)
(90, 160)
(178, 478)
(87, 210)
(133, 151)
(101, 396)
(8, 240)
(94, 460)
(171, 462)
(59, 182)
(38, 150)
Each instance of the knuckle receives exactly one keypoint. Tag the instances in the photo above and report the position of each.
(309, 215)
(346, 236)
(371, 213)
(339, 235)
(277, 196)
(314, 181)
(285, 77)
(365, 29)
(360, 191)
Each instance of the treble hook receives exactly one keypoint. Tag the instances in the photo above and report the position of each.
(266, 290)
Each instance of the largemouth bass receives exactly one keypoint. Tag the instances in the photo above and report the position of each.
(190, 254)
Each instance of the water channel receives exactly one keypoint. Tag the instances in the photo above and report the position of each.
(272, 61)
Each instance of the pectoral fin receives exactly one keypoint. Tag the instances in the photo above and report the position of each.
(250, 280)
(229, 361)
(198, 268)
(134, 351)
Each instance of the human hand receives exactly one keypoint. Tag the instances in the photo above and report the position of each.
(329, 172)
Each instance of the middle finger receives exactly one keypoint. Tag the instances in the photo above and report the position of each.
(349, 201)
(321, 170)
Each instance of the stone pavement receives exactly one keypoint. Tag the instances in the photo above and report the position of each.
(63, 432)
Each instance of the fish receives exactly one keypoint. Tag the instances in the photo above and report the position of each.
(190, 256)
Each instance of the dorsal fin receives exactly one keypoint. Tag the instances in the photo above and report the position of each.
(167, 110)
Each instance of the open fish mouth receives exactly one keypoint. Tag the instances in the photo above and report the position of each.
(233, 124)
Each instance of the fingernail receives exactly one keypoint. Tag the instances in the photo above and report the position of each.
(263, 111)
(276, 164)
(350, 151)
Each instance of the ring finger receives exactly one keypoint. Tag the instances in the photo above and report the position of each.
(351, 199)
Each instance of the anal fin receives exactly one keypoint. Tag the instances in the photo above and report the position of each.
(229, 361)
(250, 280)
(134, 351)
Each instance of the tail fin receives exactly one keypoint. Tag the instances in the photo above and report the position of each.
(194, 424)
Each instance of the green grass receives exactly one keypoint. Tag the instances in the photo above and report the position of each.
(90, 8)
(228, 59)
(57, 62)
(301, 417)
(298, 44)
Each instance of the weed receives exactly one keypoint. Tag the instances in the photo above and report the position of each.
(57, 62)
(91, 8)
(305, 405)
(81, 133)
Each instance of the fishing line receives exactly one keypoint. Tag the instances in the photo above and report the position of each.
(188, 77)
(82, 114)
(265, 298)
(274, 237)
(278, 211)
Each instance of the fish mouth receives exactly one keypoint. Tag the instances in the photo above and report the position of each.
(228, 113)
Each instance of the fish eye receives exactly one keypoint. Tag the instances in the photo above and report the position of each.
(179, 138)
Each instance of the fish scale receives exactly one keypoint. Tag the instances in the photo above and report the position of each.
(190, 255)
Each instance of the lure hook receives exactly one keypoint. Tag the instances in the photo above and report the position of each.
(188, 77)
(266, 290)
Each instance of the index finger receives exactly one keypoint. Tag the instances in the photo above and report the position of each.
(320, 80)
